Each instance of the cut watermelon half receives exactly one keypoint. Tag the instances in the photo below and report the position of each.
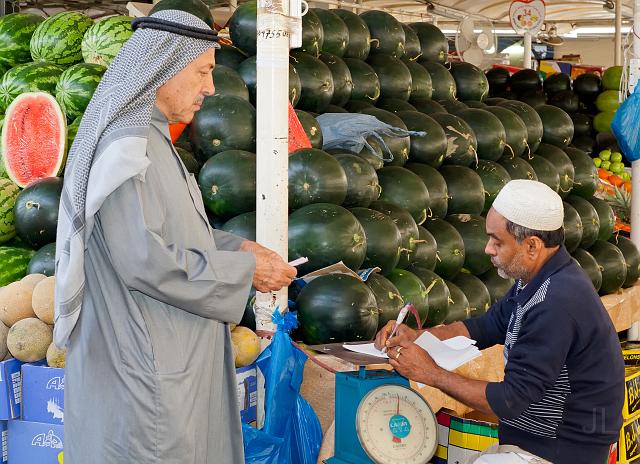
(34, 135)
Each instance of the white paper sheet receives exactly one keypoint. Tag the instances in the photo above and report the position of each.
(449, 354)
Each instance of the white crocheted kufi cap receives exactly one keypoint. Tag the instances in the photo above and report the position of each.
(530, 204)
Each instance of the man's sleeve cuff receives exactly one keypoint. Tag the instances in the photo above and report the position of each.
(497, 401)
(476, 332)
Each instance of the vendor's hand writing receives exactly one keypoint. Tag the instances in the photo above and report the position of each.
(404, 332)
(412, 362)
(272, 272)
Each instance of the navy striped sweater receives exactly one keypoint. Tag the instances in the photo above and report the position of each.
(563, 388)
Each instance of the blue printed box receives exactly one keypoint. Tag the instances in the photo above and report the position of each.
(10, 389)
(42, 394)
(35, 442)
(4, 446)
(247, 390)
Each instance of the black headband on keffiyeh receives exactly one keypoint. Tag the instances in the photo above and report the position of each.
(111, 144)
(148, 22)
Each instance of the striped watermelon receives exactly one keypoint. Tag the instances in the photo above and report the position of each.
(58, 39)
(13, 263)
(76, 86)
(72, 130)
(16, 30)
(105, 38)
(8, 194)
(30, 77)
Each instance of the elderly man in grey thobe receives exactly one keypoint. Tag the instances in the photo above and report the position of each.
(145, 288)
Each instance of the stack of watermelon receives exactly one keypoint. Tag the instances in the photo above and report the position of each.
(49, 70)
(415, 211)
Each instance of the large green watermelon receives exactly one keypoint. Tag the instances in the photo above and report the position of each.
(412, 48)
(562, 163)
(494, 177)
(362, 181)
(515, 131)
(243, 226)
(395, 105)
(315, 177)
(436, 185)
(407, 226)
(359, 42)
(518, 168)
(405, 189)
(102, 42)
(316, 79)
(421, 83)
(451, 252)
(412, 290)
(425, 253)
(462, 143)
(230, 56)
(16, 30)
(228, 183)
(498, 79)
(388, 297)
(337, 308)
(476, 292)
(612, 264)
(437, 294)
(530, 118)
(326, 234)
(36, 211)
(471, 83)
(29, 77)
(606, 217)
(489, 132)
(466, 192)
(8, 195)
(572, 228)
(76, 87)
(589, 218)
(585, 180)
(366, 83)
(497, 286)
(429, 148)
(590, 266)
(444, 86)
(631, 257)
(472, 229)
(13, 263)
(229, 82)
(342, 80)
(336, 32)
(395, 77)
(558, 126)
(195, 7)
(459, 309)
(243, 27)
(387, 34)
(383, 239)
(434, 45)
(44, 261)
(399, 146)
(311, 128)
(312, 33)
(58, 39)
(545, 171)
(223, 123)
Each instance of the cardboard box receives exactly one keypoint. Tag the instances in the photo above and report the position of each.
(10, 389)
(460, 438)
(631, 353)
(42, 394)
(631, 405)
(629, 442)
(4, 445)
(247, 390)
(35, 442)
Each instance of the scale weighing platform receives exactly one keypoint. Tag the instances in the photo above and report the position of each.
(379, 419)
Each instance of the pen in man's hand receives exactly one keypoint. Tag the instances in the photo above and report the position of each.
(401, 315)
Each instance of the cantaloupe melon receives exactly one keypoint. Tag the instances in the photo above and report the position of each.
(32, 279)
(28, 339)
(4, 330)
(55, 356)
(15, 303)
(42, 299)
(246, 346)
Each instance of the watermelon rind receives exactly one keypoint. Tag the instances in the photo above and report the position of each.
(58, 39)
(13, 263)
(76, 87)
(8, 194)
(102, 42)
(7, 153)
(16, 30)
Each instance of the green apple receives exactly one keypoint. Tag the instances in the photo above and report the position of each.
(597, 162)
(606, 164)
(617, 167)
(616, 157)
(605, 155)
(625, 176)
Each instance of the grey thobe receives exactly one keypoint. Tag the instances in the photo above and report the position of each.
(150, 374)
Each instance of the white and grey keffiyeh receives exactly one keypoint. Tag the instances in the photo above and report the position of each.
(110, 147)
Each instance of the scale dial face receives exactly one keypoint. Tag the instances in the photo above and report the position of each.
(396, 425)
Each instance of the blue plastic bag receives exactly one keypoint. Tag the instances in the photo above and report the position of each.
(625, 126)
(291, 433)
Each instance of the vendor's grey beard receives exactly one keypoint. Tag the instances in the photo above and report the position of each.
(515, 271)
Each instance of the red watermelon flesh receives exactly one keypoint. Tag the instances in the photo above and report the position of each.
(33, 138)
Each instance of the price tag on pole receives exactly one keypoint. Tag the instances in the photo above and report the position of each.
(527, 16)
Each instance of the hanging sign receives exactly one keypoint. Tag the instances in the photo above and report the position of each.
(527, 15)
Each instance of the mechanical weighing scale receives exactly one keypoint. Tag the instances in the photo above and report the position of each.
(379, 419)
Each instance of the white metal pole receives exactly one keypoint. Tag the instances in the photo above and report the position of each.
(527, 50)
(272, 67)
(634, 331)
(618, 34)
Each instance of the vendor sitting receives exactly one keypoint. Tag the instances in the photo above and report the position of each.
(563, 389)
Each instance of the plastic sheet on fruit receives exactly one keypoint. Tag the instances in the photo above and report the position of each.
(625, 126)
(347, 131)
(288, 417)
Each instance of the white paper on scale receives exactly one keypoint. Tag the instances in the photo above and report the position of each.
(448, 354)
